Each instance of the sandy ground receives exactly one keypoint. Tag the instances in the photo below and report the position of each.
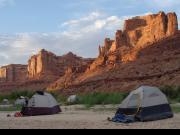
(73, 118)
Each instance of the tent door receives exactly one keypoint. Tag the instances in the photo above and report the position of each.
(134, 101)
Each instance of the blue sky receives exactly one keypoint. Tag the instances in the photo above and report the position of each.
(66, 25)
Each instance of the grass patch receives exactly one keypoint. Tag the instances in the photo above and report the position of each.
(91, 99)
(176, 109)
(10, 108)
(96, 98)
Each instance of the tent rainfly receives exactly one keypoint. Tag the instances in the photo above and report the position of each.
(146, 104)
(41, 103)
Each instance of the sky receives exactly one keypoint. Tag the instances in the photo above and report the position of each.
(61, 26)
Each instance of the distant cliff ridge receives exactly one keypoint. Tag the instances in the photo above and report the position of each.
(42, 69)
(46, 64)
(13, 73)
(146, 51)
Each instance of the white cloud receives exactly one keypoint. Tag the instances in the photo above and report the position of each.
(94, 22)
(90, 17)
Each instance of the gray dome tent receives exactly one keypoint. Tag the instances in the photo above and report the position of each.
(147, 104)
(72, 99)
(20, 101)
(41, 103)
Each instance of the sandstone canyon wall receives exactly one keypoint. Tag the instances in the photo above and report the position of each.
(13, 73)
(42, 69)
(138, 33)
(145, 52)
(46, 64)
(43, 64)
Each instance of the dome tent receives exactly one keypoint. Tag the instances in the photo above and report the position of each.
(41, 103)
(72, 99)
(147, 104)
(5, 102)
(20, 101)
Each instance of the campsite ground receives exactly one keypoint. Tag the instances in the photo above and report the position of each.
(77, 117)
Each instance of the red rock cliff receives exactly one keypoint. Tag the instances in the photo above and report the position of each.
(44, 63)
(13, 73)
(146, 51)
(48, 64)
(138, 33)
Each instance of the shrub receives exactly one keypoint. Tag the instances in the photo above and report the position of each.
(172, 92)
(58, 97)
(16, 94)
(101, 98)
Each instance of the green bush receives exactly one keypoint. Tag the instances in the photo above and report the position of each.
(172, 92)
(176, 109)
(101, 98)
(58, 97)
(27, 93)
(16, 94)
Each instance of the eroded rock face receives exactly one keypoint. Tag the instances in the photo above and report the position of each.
(13, 73)
(44, 63)
(151, 28)
(172, 24)
(42, 69)
(145, 52)
(157, 65)
(48, 64)
(138, 33)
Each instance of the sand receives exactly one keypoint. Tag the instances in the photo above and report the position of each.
(73, 118)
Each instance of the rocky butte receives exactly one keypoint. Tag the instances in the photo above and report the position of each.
(12, 76)
(48, 66)
(13, 73)
(145, 52)
(138, 33)
(42, 69)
